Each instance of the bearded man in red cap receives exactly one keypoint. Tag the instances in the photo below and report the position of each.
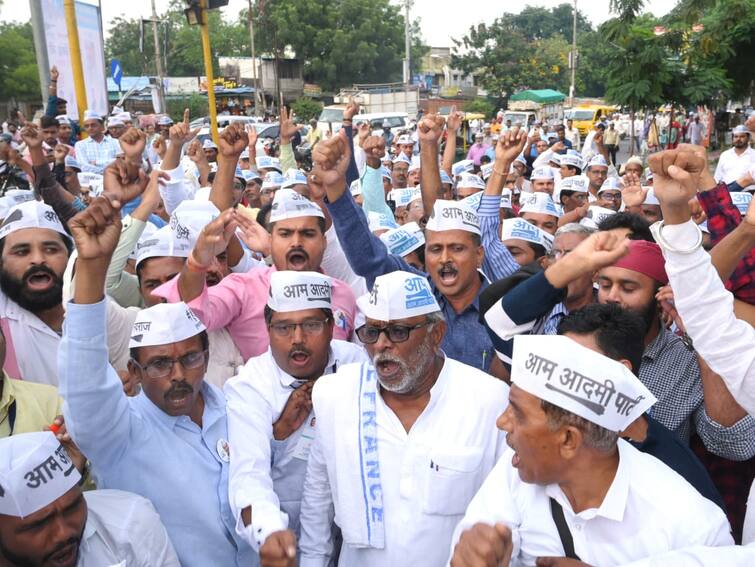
(691, 397)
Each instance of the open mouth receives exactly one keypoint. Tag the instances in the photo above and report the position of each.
(299, 357)
(448, 275)
(387, 368)
(297, 259)
(39, 281)
(66, 556)
(212, 279)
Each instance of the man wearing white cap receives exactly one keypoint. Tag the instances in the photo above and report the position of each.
(266, 164)
(115, 127)
(540, 210)
(390, 456)
(407, 241)
(210, 150)
(735, 162)
(270, 423)
(173, 433)
(46, 519)
(597, 173)
(526, 242)
(270, 184)
(469, 184)
(400, 171)
(609, 194)
(96, 150)
(568, 487)
(572, 194)
(297, 242)
(543, 180)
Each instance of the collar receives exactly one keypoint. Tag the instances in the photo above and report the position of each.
(210, 414)
(615, 501)
(7, 398)
(442, 301)
(15, 312)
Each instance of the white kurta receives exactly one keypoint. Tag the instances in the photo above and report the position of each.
(266, 474)
(123, 529)
(648, 510)
(732, 166)
(428, 475)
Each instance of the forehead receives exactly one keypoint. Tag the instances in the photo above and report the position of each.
(598, 169)
(171, 349)
(616, 274)
(161, 265)
(89, 123)
(296, 316)
(298, 223)
(448, 237)
(568, 240)
(539, 217)
(32, 236)
(516, 243)
(409, 321)
(524, 400)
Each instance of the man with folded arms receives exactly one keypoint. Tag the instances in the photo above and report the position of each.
(270, 423)
(568, 487)
(391, 455)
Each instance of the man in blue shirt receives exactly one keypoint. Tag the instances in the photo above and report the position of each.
(169, 443)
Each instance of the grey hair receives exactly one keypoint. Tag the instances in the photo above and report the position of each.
(595, 436)
(575, 228)
(435, 317)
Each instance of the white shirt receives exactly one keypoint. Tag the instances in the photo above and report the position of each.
(700, 556)
(123, 529)
(266, 474)
(731, 166)
(428, 475)
(649, 509)
(590, 148)
(572, 134)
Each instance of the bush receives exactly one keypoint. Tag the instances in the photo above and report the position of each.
(196, 103)
(481, 106)
(306, 109)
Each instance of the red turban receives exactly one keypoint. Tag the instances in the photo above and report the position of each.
(646, 258)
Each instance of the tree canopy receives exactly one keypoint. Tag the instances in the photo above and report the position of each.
(19, 78)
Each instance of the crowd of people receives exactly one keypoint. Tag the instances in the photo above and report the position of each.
(532, 356)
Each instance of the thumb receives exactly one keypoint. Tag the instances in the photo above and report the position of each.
(545, 562)
(678, 174)
(502, 530)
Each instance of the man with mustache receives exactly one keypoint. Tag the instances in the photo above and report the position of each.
(270, 419)
(55, 523)
(402, 443)
(168, 443)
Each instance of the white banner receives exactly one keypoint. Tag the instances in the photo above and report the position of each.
(92, 55)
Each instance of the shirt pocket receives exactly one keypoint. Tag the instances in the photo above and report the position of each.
(452, 480)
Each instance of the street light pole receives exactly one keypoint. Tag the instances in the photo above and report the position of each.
(573, 55)
(74, 50)
(407, 44)
(158, 60)
(205, 32)
(254, 59)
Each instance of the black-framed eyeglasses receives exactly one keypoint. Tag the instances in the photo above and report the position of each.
(163, 367)
(311, 327)
(369, 334)
(610, 196)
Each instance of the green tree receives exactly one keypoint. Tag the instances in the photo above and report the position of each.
(540, 23)
(481, 106)
(306, 109)
(19, 77)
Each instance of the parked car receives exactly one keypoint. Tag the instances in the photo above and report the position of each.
(266, 132)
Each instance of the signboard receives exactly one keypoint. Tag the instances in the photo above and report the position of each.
(92, 54)
(116, 71)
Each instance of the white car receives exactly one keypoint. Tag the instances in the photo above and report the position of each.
(265, 131)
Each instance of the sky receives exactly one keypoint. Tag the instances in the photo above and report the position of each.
(441, 19)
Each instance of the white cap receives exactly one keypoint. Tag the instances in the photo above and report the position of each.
(402, 240)
(578, 183)
(267, 162)
(473, 200)
(294, 177)
(741, 200)
(579, 380)
(402, 197)
(208, 144)
(164, 324)
(398, 295)
(506, 199)
(470, 180)
(244, 154)
(404, 140)
(461, 166)
(520, 229)
(542, 173)
(297, 291)
(288, 204)
(35, 470)
(114, 121)
(164, 121)
(355, 188)
(416, 165)
(12, 198)
(149, 230)
(380, 221)
(486, 170)
(163, 243)
(453, 215)
(597, 161)
(599, 214)
(91, 115)
(610, 184)
(190, 217)
(31, 214)
(538, 203)
(650, 198)
(401, 158)
(63, 119)
(634, 159)
(124, 116)
(273, 180)
(740, 129)
(572, 160)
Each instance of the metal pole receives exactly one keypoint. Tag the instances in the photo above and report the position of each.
(74, 51)
(158, 60)
(407, 45)
(573, 55)
(204, 30)
(40, 47)
(254, 59)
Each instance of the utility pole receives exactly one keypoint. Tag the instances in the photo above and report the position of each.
(74, 50)
(407, 45)
(40, 47)
(205, 33)
(158, 60)
(573, 55)
(254, 59)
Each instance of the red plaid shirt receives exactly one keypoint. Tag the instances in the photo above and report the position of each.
(723, 217)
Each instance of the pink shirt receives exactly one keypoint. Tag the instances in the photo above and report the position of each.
(238, 303)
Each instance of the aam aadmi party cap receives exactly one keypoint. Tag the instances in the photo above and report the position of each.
(190, 217)
(12, 198)
(398, 295)
(579, 380)
(470, 180)
(164, 324)
(538, 203)
(401, 158)
(402, 240)
(473, 201)
(572, 160)
(506, 199)
(740, 129)
(610, 184)
(355, 188)
(297, 291)
(599, 214)
(63, 120)
(741, 200)
(445, 179)
(578, 183)
(461, 166)
(650, 198)
(380, 221)
(404, 140)
(542, 173)
(453, 215)
(161, 244)
(208, 144)
(416, 165)
(386, 173)
(273, 180)
(402, 197)
(31, 214)
(91, 115)
(149, 230)
(597, 161)
(267, 162)
(35, 470)
(520, 229)
(288, 204)
(294, 177)
(164, 121)
(485, 170)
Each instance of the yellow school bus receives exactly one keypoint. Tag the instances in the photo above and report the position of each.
(585, 117)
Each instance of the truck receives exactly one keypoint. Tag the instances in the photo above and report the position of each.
(585, 117)
(543, 105)
(374, 99)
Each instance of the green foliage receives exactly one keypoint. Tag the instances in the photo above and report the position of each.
(19, 78)
(305, 108)
(196, 103)
(482, 106)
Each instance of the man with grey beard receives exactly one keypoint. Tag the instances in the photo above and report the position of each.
(402, 443)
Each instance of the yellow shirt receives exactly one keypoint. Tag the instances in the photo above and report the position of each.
(37, 405)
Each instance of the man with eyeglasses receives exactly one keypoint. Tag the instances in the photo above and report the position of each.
(402, 443)
(609, 194)
(168, 443)
(597, 173)
(270, 420)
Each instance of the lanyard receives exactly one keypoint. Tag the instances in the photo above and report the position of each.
(12, 416)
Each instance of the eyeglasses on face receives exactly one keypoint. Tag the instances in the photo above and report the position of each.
(163, 367)
(311, 327)
(369, 334)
